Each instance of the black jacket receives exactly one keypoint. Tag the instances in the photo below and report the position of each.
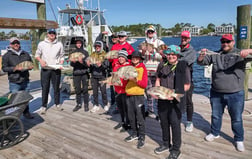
(10, 60)
(78, 68)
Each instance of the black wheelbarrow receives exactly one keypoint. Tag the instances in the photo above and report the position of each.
(11, 127)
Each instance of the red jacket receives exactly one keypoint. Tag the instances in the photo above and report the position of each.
(126, 45)
(120, 89)
(118, 46)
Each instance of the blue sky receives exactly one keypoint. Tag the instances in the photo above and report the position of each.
(125, 12)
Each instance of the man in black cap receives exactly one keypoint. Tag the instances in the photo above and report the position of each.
(18, 76)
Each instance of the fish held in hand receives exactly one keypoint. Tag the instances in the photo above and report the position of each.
(76, 56)
(127, 72)
(94, 60)
(164, 93)
(112, 54)
(113, 80)
(25, 65)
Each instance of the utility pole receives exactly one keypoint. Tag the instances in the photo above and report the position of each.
(243, 37)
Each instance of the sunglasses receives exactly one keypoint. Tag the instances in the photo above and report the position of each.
(150, 31)
(228, 41)
(51, 32)
(121, 36)
(15, 42)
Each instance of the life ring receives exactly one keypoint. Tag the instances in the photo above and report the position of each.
(79, 19)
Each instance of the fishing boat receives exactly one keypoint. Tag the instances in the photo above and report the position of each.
(131, 40)
(81, 23)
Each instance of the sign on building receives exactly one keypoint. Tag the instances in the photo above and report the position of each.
(243, 32)
(32, 1)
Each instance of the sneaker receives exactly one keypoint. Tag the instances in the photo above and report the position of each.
(94, 109)
(189, 126)
(161, 149)
(152, 115)
(86, 109)
(211, 137)
(106, 108)
(59, 107)
(43, 110)
(119, 125)
(240, 146)
(131, 138)
(77, 107)
(140, 143)
(173, 154)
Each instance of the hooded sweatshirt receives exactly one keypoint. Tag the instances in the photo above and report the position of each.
(51, 52)
(79, 68)
(99, 72)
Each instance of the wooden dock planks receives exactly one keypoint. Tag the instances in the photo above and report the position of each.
(84, 135)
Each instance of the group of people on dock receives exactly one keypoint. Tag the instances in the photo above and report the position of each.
(168, 66)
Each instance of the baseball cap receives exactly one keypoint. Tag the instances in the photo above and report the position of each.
(122, 33)
(114, 35)
(151, 27)
(51, 30)
(14, 39)
(186, 34)
(227, 37)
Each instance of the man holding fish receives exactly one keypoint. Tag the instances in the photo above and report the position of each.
(227, 87)
(151, 60)
(189, 55)
(80, 66)
(17, 63)
(50, 52)
(174, 75)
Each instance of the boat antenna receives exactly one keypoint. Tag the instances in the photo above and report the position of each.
(52, 9)
(98, 5)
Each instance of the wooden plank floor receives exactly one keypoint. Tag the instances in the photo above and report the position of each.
(73, 135)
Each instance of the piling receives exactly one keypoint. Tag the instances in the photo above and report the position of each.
(243, 37)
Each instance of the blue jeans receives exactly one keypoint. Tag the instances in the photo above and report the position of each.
(15, 87)
(235, 106)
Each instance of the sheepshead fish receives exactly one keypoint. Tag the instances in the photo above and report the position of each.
(127, 72)
(164, 93)
(26, 65)
(209, 52)
(112, 54)
(162, 47)
(75, 56)
(113, 80)
(94, 60)
(146, 47)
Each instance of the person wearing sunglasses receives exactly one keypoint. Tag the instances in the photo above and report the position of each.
(190, 57)
(227, 88)
(50, 52)
(18, 77)
(151, 60)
